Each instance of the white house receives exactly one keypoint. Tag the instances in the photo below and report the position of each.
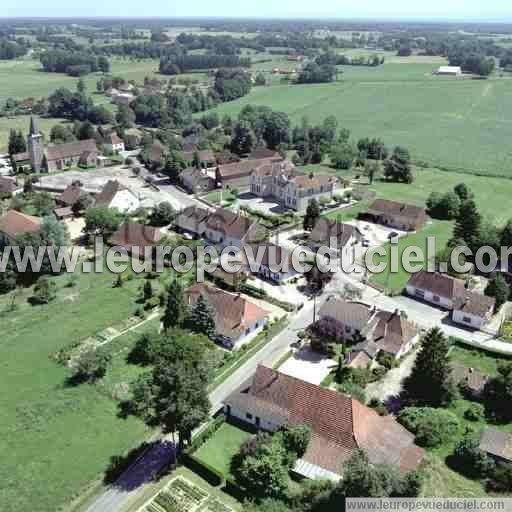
(235, 316)
(473, 310)
(115, 195)
(113, 143)
(449, 70)
(439, 289)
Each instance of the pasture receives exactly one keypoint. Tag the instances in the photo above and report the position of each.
(457, 124)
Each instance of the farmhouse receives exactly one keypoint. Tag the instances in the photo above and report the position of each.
(238, 174)
(333, 233)
(14, 224)
(227, 228)
(136, 239)
(449, 71)
(9, 187)
(115, 195)
(196, 180)
(270, 261)
(71, 194)
(339, 424)
(473, 309)
(496, 444)
(113, 143)
(279, 181)
(192, 220)
(397, 215)
(373, 330)
(235, 316)
(439, 289)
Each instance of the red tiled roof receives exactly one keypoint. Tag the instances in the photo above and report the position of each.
(325, 229)
(242, 168)
(233, 313)
(395, 208)
(230, 223)
(315, 181)
(476, 304)
(15, 223)
(70, 149)
(8, 185)
(134, 235)
(392, 331)
(70, 195)
(496, 443)
(439, 284)
(108, 192)
(339, 424)
(259, 153)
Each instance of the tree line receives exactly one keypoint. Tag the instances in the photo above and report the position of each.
(176, 64)
(73, 63)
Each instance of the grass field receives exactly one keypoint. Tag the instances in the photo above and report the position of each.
(451, 123)
(441, 231)
(219, 449)
(55, 438)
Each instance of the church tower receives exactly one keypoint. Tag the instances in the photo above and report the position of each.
(35, 145)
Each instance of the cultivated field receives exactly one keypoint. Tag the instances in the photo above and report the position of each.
(453, 123)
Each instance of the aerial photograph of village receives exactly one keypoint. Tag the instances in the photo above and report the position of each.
(255, 257)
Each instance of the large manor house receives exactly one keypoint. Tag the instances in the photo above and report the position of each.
(57, 157)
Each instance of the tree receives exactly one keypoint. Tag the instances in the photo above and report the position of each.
(45, 291)
(8, 278)
(499, 289)
(202, 318)
(463, 191)
(404, 51)
(470, 460)
(175, 308)
(432, 427)
(17, 142)
(147, 290)
(343, 155)
(506, 235)
(467, 224)
(363, 479)
(498, 393)
(175, 396)
(84, 202)
(81, 88)
(243, 139)
(260, 79)
(372, 170)
(125, 117)
(100, 115)
(398, 167)
(60, 134)
(162, 215)
(296, 439)
(312, 215)
(102, 221)
(85, 131)
(430, 383)
(174, 164)
(92, 365)
(443, 206)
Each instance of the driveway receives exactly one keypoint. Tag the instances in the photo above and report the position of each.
(308, 365)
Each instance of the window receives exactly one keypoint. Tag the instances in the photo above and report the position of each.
(347, 328)
(258, 421)
(466, 319)
(248, 416)
(419, 293)
(436, 298)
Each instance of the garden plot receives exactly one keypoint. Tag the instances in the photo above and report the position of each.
(181, 495)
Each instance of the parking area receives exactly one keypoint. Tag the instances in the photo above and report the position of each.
(262, 204)
(286, 292)
(94, 180)
(308, 365)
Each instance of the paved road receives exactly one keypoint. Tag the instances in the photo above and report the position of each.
(131, 483)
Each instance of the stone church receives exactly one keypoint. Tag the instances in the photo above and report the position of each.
(58, 157)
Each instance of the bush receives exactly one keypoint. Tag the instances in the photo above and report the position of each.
(386, 360)
(469, 460)
(475, 412)
(204, 470)
(432, 427)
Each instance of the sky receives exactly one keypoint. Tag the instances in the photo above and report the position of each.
(495, 10)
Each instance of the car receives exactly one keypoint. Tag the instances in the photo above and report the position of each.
(393, 234)
(366, 242)
(188, 236)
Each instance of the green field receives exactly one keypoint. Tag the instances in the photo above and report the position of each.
(55, 438)
(220, 448)
(449, 123)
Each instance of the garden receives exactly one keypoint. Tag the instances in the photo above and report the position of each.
(181, 495)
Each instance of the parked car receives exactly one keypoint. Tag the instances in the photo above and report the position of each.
(393, 234)
(366, 242)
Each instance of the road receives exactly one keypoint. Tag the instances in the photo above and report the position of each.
(126, 489)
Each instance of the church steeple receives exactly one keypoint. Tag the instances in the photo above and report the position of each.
(35, 145)
(34, 126)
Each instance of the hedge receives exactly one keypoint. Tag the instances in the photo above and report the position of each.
(206, 434)
(204, 470)
(234, 490)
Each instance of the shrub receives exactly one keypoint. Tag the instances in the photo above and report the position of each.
(432, 427)
(475, 412)
(386, 360)
(470, 460)
(204, 470)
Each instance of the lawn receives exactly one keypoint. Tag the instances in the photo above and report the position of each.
(478, 359)
(347, 213)
(220, 449)
(56, 438)
(457, 124)
(394, 282)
